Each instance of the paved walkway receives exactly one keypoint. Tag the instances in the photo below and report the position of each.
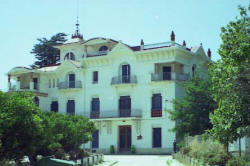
(139, 160)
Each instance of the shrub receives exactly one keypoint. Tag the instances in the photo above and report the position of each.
(209, 151)
(185, 150)
(239, 161)
(60, 154)
(132, 149)
(112, 149)
(82, 154)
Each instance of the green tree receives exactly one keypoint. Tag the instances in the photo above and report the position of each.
(230, 79)
(27, 131)
(44, 51)
(62, 131)
(20, 125)
(191, 111)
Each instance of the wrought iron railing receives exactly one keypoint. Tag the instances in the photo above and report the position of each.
(125, 79)
(97, 53)
(114, 114)
(165, 76)
(70, 84)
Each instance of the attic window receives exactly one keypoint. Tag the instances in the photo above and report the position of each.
(103, 48)
(69, 56)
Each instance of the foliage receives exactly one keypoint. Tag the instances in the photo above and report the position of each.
(44, 51)
(191, 112)
(20, 125)
(27, 131)
(239, 161)
(63, 131)
(82, 154)
(132, 149)
(230, 79)
(60, 154)
(208, 151)
(112, 149)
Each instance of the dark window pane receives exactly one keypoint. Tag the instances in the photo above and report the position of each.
(95, 76)
(157, 101)
(54, 106)
(156, 137)
(71, 107)
(36, 101)
(103, 48)
(95, 139)
(95, 105)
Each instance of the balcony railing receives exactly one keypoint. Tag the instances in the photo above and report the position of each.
(156, 112)
(114, 114)
(70, 85)
(166, 76)
(126, 79)
(97, 53)
(24, 87)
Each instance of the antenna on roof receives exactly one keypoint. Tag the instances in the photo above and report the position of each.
(77, 32)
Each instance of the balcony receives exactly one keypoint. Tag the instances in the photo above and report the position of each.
(70, 85)
(169, 76)
(97, 53)
(25, 87)
(126, 79)
(115, 114)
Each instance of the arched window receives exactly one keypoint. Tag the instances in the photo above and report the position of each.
(103, 48)
(69, 56)
(36, 101)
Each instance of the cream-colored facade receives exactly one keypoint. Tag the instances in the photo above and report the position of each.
(125, 90)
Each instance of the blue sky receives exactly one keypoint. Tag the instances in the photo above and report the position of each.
(196, 21)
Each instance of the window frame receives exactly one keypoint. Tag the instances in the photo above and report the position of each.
(95, 77)
(156, 144)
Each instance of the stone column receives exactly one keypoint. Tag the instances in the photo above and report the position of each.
(31, 81)
(9, 83)
(18, 83)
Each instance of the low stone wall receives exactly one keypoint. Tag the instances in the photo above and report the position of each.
(91, 160)
(138, 151)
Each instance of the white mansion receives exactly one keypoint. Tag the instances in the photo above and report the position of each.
(125, 90)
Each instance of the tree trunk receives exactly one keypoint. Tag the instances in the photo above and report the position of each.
(33, 160)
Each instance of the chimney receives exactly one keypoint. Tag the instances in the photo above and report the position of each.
(209, 53)
(142, 44)
(184, 43)
(172, 38)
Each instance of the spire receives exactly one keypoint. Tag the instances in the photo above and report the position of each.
(77, 32)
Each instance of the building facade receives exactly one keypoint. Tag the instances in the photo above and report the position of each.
(125, 90)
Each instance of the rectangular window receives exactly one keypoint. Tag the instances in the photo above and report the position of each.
(49, 83)
(54, 83)
(156, 137)
(95, 77)
(54, 106)
(125, 106)
(95, 105)
(71, 107)
(156, 110)
(95, 139)
(95, 108)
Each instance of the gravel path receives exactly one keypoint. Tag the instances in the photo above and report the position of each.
(140, 160)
